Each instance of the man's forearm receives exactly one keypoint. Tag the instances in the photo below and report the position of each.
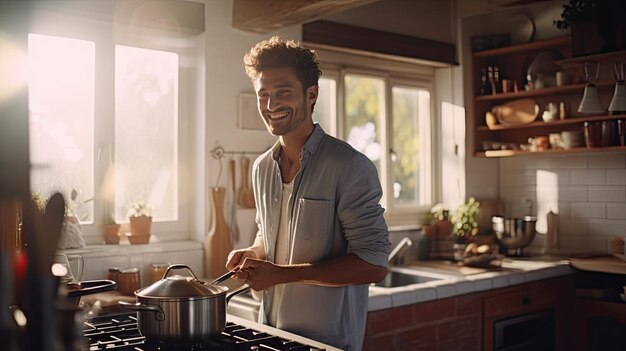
(341, 271)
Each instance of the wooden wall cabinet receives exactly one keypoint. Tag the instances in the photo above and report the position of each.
(513, 62)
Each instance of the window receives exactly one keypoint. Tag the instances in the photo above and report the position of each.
(61, 121)
(386, 115)
(106, 125)
(146, 113)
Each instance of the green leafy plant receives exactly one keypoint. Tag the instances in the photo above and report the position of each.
(465, 219)
(576, 11)
(138, 209)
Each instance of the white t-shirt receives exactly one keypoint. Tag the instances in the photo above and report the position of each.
(282, 249)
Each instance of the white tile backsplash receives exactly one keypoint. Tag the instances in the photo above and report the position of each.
(610, 227)
(573, 193)
(591, 195)
(616, 210)
(572, 226)
(566, 162)
(588, 210)
(616, 176)
(607, 161)
(588, 176)
(607, 193)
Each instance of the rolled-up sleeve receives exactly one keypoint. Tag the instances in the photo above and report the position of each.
(360, 213)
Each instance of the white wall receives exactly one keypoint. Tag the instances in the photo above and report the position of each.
(225, 80)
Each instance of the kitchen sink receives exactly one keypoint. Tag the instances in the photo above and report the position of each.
(405, 276)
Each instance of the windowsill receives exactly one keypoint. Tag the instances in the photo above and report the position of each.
(125, 248)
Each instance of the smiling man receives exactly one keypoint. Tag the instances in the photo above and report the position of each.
(322, 238)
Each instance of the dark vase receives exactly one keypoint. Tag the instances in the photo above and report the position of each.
(586, 39)
(611, 24)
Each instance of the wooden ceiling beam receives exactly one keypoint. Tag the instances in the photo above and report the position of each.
(263, 16)
(346, 36)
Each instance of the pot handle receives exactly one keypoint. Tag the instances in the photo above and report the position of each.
(178, 266)
(138, 306)
(237, 291)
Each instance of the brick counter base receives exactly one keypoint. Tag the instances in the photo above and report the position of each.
(448, 324)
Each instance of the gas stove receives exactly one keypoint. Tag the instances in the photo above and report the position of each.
(121, 332)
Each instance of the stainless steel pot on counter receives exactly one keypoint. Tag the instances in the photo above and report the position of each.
(514, 233)
(182, 308)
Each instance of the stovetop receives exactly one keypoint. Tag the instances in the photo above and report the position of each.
(120, 332)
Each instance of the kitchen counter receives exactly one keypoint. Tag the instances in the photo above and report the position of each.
(458, 281)
(465, 280)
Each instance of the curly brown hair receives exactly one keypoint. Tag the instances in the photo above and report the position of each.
(276, 53)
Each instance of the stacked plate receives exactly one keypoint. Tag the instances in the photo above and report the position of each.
(572, 138)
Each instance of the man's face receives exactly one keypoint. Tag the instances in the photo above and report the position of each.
(282, 103)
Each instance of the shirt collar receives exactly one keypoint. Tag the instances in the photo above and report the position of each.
(311, 145)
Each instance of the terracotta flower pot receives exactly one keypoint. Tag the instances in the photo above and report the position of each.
(140, 229)
(111, 233)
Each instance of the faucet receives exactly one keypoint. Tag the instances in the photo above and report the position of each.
(396, 255)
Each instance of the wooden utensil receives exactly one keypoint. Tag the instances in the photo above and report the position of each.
(234, 227)
(246, 196)
(217, 244)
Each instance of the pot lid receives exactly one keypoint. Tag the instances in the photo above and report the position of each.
(178, 286)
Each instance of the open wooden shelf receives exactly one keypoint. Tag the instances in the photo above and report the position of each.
(605, 56)
(533, 93)
(512, 64)
(541, 124)
(531, 46)
(509, 153)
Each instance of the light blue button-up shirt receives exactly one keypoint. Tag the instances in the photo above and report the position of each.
(334, 211)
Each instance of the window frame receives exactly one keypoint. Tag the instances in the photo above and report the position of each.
(395, 72)
(105, 33)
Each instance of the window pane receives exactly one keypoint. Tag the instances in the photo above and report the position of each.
(411, 113)
(61, 119)
(365, 105)
(326, 105)
(146, 131)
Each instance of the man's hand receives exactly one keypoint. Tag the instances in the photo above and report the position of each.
(259, 274)
(237, 257)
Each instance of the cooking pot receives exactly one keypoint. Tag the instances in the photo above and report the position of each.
(514, 233)
(181, 308)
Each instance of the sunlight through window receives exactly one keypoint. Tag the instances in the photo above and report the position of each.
(146, 131)
(547, 197)
(61, 119)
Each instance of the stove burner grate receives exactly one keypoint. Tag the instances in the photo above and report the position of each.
(120, 332)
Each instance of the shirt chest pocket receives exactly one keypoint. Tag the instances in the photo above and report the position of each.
(311, 227)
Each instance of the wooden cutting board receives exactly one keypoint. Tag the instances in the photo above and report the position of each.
(246, 196)
(608, 264)
(217, 244)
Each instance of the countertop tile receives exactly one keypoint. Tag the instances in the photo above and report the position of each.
(444, 288)
(379, 301)
(513, 272)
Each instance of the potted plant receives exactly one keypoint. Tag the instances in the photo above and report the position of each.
(465, 220)
(111, 231)
(140, 216)
(595, 25)
(464, 225)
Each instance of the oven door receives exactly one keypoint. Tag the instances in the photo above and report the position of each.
(534, 331)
